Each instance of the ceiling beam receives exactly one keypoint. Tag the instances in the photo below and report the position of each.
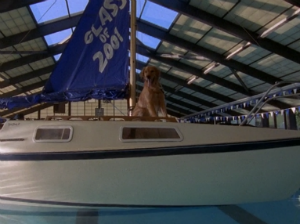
(190, 97)
(182, 111)
(240, 80)
(7, 5)
(53, 50)
(27, 76)
(13, 112)
(23, 89)
(161, 34)
(294, 2)
(231, 28)
(42, 30)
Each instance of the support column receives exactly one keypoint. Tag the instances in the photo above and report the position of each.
(265, 122)
(291, 120)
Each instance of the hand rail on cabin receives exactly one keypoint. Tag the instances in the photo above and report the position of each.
(112, 118)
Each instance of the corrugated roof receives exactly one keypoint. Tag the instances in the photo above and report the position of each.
(225, 46)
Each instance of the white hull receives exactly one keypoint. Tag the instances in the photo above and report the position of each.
(179, 173)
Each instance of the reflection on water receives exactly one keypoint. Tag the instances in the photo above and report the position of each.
(296, 200)
(287, 211)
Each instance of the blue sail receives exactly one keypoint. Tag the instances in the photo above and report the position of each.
(95, 61)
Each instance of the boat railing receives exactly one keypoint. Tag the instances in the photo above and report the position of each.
(260, 103)
(111, 118)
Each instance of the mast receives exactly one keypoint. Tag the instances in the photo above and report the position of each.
(132, 96)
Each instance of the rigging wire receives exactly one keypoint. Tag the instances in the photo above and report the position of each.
(27, 33)
(69, 14)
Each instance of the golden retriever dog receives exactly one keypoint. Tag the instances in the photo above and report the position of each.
(152, 98)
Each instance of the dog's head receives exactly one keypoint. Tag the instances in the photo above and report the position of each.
(150, 74)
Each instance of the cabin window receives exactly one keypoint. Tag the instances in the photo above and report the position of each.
(53, 134)
(150, 133)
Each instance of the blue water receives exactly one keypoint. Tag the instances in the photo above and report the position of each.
(279, 212)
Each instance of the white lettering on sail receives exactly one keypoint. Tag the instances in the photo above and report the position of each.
(88, 37)
(97, 32)
(107, 12)
(104, 16)
(109, 5)
(123, 4)
(103, 37)
(118, 34)
(114, 42)
(108, 50)
(102, 61)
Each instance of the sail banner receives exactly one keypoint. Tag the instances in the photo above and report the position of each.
(94, 63)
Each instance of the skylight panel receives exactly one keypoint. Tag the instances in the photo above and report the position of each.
(162, 17)
(77, 5)
(148, 40)
(8, 89)
(58, 37)
(49, 10)
(139, 7)
(142, 58)
(57, 57)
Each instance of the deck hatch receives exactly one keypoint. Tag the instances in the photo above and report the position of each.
(53, 134)
(150, 134)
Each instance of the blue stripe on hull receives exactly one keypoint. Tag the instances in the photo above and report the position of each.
(149, 152)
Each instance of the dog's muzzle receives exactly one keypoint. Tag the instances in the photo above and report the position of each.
(149, 80)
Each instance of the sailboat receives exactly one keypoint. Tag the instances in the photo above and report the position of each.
(145, 162)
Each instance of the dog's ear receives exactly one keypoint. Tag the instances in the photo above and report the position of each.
(142, 73)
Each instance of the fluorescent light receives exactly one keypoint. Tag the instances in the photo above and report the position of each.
(187, 57)
(192, 79)
(280, 23)
(202, 58)
(272, 28)
(234, 53)
(211, 68)
(177, 56)
(238, 50)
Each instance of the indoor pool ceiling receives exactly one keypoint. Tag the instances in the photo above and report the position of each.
(212, 54)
